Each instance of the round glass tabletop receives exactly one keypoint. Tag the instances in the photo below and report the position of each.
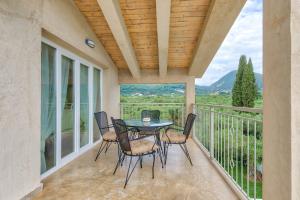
(151, 124)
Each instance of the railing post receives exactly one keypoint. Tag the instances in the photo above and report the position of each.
(212, 128)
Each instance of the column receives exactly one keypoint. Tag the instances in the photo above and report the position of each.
(281, 55)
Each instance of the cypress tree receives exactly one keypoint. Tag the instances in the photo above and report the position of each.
(237, 88)
(249, 88)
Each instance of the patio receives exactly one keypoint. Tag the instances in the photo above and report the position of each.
(85, 179)
(63, 60)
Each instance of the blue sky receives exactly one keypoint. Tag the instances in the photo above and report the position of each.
(245, 37)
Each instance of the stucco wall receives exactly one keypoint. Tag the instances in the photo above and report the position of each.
(281, 100)
(65, 25)
(20, 49)
(22, 22)
(63, 19)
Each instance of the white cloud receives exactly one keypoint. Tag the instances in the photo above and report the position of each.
(245, 37)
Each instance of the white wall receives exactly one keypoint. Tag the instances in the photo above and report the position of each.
(20, 49)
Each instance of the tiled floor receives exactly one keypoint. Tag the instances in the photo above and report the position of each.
(84, 179)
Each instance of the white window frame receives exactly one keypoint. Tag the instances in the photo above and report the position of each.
(59, 51)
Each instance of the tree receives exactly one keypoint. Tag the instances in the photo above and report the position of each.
(249, 88)
(237, 88)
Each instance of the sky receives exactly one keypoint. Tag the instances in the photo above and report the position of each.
(245, 37)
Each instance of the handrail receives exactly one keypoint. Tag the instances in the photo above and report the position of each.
(152, 103)
(242, 109)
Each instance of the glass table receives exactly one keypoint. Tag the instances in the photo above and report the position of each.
(150, 128)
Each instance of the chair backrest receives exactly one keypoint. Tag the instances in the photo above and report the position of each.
(102, 121)
(122, 134)
(189, 124)
(153, 114)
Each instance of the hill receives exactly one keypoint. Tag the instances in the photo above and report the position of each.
(222, 86)
(225, 84)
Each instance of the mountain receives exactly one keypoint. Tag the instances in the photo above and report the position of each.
(222, 86)
(225, 84)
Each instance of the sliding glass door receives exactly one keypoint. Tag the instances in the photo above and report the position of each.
(48, 108)
(96, 102)
(84, 105)
(67, 106)
(70, 94)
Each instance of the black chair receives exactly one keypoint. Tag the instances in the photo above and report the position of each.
(178, 136)
(108, 137)
(154, 115)
(137, 147)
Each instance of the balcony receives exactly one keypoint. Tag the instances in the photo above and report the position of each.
(61, 61)
(223, 172)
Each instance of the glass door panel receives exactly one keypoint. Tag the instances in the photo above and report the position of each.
(96, 102)
(84, 105)
(67, 106)
(48, 108)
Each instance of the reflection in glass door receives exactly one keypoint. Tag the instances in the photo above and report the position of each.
(84, 105)
(67, 106)
(48, 109)
(96, 102)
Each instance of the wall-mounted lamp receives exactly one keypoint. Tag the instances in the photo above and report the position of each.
(90, 43)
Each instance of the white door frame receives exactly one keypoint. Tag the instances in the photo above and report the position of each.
(60, 162)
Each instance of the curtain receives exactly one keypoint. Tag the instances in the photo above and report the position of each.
(48, 103)
(66, 64)
(96, 101)
(84, 105)
(96, 87)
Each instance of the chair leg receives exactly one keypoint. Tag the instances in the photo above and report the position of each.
(101, 149)
(166, 153)
(129, 172)
(118, 163)
(153, 165)
(141, 161)
(122, 160)
(186, 152)
(161, 159)
(107, 146)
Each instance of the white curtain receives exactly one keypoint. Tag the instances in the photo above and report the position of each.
(48, 94)
(96, 101)
(66, 64)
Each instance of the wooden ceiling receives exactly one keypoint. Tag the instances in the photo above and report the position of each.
(94, 16)
(187, 18)
(186, 21)
(140, 20)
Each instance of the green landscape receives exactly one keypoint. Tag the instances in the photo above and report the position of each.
(240, 88)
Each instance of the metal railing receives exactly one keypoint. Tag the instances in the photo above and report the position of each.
(232, 137)
(170, 111)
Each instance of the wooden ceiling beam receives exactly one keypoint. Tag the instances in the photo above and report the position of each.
(112, 13)
(220, 18)
(163, 10)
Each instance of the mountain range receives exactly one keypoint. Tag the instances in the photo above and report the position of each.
(222, 86)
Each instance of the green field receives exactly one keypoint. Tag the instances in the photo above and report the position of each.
(203, 99)
(174, 112)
